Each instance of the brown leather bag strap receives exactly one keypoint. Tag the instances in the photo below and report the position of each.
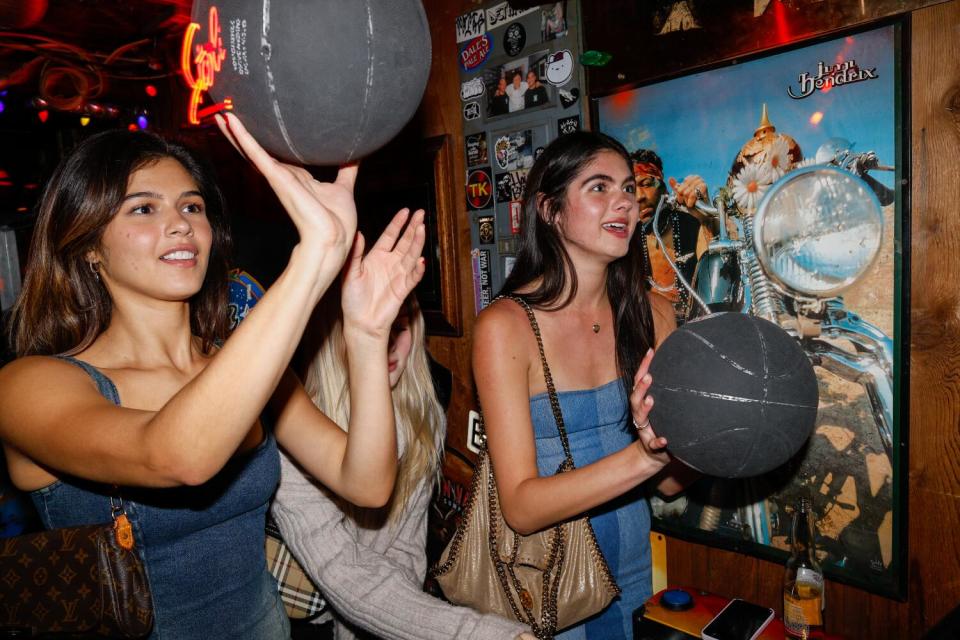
(551, 390)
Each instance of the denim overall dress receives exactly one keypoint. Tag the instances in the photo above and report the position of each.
(596, 424)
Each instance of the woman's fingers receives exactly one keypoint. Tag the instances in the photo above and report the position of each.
(248, 146)
(225, 130)
(640, 407)
(653, 445)
(650, 439)
(405, 245)
(412, 263)
(644, 365)
(347, 176)
(417, 264)
(641, 404)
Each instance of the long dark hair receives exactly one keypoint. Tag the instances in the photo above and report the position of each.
(542, 254)
(63, 306)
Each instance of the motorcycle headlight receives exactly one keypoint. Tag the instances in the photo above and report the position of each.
(817, 230)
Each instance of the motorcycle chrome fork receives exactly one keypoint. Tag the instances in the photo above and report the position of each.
(870, 364)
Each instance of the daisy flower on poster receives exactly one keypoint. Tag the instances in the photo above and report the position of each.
(750, 184)
(778, 157)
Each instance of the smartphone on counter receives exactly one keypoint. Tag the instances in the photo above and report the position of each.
(739, 620)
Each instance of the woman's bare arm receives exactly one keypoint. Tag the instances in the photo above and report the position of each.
(501, 360)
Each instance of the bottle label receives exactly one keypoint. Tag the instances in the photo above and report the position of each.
(801, 614)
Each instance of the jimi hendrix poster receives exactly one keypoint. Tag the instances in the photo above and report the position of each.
(743, 128)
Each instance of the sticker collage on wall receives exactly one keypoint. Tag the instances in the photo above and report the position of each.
(520, 88)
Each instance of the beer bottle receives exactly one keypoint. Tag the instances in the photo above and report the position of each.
(803, 580)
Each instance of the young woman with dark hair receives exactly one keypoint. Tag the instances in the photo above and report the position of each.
(121, 381)
(580, 269)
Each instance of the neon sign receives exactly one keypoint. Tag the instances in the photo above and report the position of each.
(208, 59)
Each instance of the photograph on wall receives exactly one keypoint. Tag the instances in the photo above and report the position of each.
(807, 144)
(514, 150)
(518, 84)
(510, 185)
(553, 20)
(476, 149)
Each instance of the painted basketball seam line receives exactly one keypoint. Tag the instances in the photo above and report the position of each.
(713, 436)
(745, 458)
(724, 396)
(766, 372)
(722, 355)
(364, 110)
(266, 50)
(723, 433)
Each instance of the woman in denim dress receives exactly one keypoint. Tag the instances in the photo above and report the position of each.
(120, 379)
(579, 267)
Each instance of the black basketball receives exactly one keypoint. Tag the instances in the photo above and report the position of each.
(317, 82)
(734, 395)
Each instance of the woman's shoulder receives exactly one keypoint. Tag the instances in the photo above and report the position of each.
(43, 373)
(29, 380)
(503, 314)
(32, 367)
(503, 329)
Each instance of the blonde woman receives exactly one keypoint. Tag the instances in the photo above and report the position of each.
(370, 563)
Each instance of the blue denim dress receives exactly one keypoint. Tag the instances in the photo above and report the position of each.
(596, 423)
(203, 547)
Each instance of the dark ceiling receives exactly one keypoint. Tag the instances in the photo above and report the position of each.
(72, 52)
(69, 68)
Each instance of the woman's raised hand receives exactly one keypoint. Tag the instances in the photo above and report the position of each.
(324, 213)
(375, 285)
(640, 406)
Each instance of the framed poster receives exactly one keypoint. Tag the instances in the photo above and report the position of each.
(743, 127)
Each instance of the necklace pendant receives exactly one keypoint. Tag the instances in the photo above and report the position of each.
(596, 327)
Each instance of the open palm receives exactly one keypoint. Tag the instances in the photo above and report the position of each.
(375, 285)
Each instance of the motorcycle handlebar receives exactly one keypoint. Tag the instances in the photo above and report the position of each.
(700, 205)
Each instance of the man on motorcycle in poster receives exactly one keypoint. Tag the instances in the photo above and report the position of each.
(685, 234)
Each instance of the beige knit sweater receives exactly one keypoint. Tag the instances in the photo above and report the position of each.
(372, 577)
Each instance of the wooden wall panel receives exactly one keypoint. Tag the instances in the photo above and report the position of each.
(685, 562)
(934, 494)
(441, 114)
(934, 447)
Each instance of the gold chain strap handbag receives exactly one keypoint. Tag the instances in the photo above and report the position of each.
(548, 580)
(77, 580)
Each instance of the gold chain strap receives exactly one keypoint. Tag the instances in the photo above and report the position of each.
(548, 378)
(545, 628)
(568, 464)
